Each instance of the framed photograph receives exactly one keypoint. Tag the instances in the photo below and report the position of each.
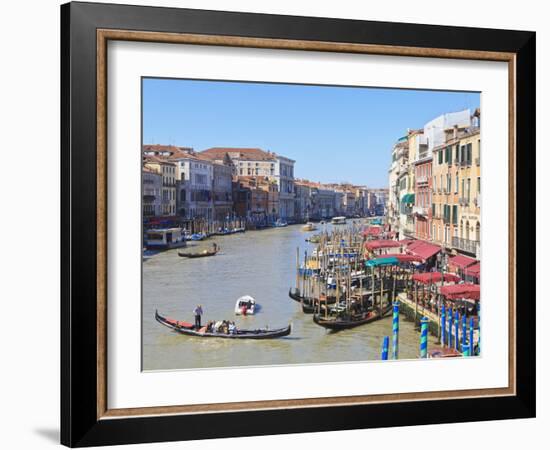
(274, 224)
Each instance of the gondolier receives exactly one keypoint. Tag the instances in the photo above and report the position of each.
(198, 313)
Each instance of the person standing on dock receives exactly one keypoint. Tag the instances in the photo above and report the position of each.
(198, 313)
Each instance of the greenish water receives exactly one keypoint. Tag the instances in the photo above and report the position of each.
(260, 264)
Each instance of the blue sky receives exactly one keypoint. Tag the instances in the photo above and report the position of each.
(335, 134)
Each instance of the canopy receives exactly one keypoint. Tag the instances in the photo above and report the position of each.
(407, 198)
(461, 261)
(372, 231)
(459, 291)
(381, 243)
(434, 277)
(392, 260)
(423, 250)
(473, 270)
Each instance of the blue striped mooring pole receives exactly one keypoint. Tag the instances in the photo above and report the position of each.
(443, 323)
(450, 329)
(395, 330)
(385, 345)
(424, 337)
(471, 335)
(463, 330)
(457, 325)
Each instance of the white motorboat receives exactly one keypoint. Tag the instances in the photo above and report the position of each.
(246, 306)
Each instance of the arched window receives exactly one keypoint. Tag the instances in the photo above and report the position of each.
(478, 232)
(461, 229)
(468, 230)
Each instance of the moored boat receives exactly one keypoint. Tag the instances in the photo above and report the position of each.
(340, 220)
(280, 223)
(190, 330)
(164, 238)
(351, 321)
(197, 237)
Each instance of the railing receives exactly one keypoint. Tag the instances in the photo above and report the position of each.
(421, 210)
(463, 201)
(466, 245)
(422, 179)
(477, 200)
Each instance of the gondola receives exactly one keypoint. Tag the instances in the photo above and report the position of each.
(198, 254)
(337, 323)
(202, 253)
(190, 330)
(309, 301)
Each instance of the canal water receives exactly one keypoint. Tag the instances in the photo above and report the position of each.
(257, 263)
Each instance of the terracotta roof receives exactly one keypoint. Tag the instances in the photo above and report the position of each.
(157, 160)
(164, 148)
(251, 154)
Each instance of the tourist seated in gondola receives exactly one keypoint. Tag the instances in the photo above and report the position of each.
(232, 328)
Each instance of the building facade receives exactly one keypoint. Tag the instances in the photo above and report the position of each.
(261, 163)
(152, 192)
(467, 240)
(167, 171)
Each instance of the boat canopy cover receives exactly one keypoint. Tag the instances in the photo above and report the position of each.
(461, 261)
(434, 277)
(473, 270)
(461, 291)
(382, 243)
(391, 260)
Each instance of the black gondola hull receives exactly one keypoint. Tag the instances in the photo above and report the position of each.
(240, 334)
(344, 324)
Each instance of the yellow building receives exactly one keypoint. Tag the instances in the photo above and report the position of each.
(469, 179)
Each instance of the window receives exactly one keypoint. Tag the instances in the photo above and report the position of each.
(440, 156)
(456, 183)
(462, 153)
(478, 185)
(469, 153)
(462, 187)
(457, 153)
(455, 215)
(468, 189)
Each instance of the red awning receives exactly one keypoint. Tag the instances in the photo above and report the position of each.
(473, 270)
(461, 261)
(412, 244)
(382, 243)
(434, 277)
(372, 231)
(459, 291)
(424, 250)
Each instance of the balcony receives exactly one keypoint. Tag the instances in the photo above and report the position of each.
(420, 210)
(422, 179)
(466, 245)
(463, 201)
(477, 200)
